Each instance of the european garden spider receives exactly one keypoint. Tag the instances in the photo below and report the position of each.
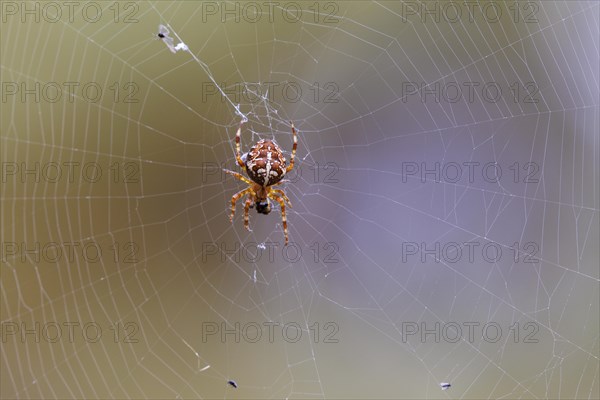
(265, 166)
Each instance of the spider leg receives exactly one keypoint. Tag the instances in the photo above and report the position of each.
(281, 182)
(282, 194)
(235, 198)
(283, 217)
(246, 207)
(238, 153)
(238, 176)
(289, 167)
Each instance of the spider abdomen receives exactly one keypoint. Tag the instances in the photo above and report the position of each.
(265, 163)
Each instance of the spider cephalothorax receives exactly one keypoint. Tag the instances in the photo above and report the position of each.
(266, 166)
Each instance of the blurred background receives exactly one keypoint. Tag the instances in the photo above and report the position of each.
(445, 199)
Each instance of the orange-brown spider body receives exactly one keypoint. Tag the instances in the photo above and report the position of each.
(265, 163)
(266, 166)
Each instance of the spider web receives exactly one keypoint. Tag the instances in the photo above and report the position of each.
(374, 191)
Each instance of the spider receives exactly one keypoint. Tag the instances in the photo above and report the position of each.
(265, 166)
